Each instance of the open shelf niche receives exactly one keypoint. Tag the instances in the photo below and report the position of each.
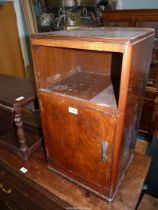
(81, 74)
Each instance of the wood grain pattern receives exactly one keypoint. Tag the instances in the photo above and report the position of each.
(82, 135)
(131, 16)
(103, 34)
(84, 85)
(10, 50)
(135, 92)
(145, 18)
(75, 125)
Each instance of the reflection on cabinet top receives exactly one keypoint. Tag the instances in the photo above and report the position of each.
(101, 34)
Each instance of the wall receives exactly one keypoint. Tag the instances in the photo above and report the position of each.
(138, 4)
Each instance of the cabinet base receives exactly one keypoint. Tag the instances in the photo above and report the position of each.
(104, 197)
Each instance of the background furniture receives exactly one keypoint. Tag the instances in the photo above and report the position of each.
(141, 18)
(11, 60)
(40, 189)
(30, 19)
(148, 202)
(15, 93)
(90, 85)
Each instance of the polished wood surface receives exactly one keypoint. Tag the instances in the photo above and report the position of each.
(41, 189)
(82, 156)
(15, 93)
(132, 17)
(136, 87)
(102, 34)
(83, 85)
(89, 115)
(145, 18)
(10, 51)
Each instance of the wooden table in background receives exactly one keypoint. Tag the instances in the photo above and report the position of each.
(16, 93)
(42, 189)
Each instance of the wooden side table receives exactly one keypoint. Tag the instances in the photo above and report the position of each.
(15, 93)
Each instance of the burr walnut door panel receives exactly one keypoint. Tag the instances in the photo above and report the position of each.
(79, 140)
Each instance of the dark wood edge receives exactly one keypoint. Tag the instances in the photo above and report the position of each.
(18, 175)
(50, 36)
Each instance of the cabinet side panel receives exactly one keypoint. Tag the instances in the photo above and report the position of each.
(141, 58)
(49, 66)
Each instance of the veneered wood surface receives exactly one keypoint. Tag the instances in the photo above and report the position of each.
(121, 35)
(10, 51)
(82, 85)
(74, 60)
(82, 135)
(146, 18)
(131, 16)
(39, 177)
(119, 54)
(135, 83)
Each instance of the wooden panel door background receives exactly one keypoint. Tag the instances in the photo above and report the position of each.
(11, 61)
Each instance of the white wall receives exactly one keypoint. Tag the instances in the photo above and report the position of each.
(139, 4)
(22, 30)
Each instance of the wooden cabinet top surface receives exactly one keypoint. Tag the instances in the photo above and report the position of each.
(101, 34)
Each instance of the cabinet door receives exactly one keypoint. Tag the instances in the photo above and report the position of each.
(78, 139)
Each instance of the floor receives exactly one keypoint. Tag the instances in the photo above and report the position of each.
(149, 196)
(151, 184)
(148, 203)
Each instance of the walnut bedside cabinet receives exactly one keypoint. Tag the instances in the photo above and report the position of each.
(90, 86)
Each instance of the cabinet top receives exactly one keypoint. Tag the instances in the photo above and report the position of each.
(101, 34)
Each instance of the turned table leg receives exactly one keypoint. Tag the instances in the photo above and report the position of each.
(21, 134)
